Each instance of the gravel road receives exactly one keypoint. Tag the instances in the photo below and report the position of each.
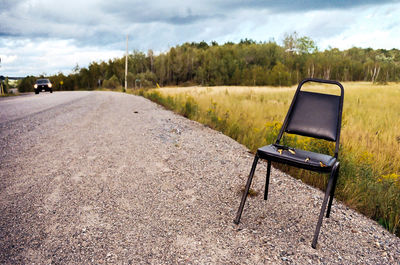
(111, 178)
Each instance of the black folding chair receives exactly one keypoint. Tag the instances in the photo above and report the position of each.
(314, 115)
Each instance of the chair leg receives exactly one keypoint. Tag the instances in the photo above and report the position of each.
(323, 207)
(246, 191)
(267, 180)
(333, 191)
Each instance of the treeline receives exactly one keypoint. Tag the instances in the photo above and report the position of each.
(245, 63)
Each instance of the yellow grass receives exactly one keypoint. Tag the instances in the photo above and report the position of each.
(371, 119)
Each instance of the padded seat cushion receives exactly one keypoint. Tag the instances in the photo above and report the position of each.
(299, 158)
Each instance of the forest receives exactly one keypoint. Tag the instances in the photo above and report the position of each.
(247, 63)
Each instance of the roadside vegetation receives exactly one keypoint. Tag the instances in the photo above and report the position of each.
(8, 87)
(370, 141)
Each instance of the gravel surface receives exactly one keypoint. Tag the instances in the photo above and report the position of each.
(110, 178)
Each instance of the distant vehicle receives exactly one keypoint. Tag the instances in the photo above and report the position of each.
(43, 84)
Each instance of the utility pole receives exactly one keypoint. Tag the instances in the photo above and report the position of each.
(126, 65)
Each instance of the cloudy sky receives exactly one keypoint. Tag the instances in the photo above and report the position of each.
(49, 36)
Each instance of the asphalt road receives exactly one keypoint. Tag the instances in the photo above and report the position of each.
(111, 178)
(13, 108)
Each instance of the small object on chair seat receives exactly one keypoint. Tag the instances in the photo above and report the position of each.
(274, 153)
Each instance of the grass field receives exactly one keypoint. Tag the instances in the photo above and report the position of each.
(370, 140)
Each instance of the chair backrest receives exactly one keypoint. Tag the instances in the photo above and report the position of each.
(315, 114)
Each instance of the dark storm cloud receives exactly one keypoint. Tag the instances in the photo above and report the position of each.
(100, 26)
(8, 4)
(179, 20)
(96, 22)
(158, 11)
(100, 23)
(303, 5)
(188, 12)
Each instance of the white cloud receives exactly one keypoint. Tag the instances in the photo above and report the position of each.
(8, 59)
(27, 57)
(380, 30)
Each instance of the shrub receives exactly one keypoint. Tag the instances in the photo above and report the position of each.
(113, 82)
(26, 84)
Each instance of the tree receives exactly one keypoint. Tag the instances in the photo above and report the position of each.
(279, 76)
(290, 42)
(306, 45)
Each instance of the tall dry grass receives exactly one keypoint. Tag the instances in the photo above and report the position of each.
(370, 140)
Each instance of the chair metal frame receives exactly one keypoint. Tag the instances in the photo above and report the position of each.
(334, 170)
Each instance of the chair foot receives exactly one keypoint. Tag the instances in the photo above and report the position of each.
(314, 245)
(323, 207)
(267, 180)
(328, 214)
(246, 191)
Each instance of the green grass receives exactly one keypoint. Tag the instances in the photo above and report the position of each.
(9, 95)
(370, 140)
